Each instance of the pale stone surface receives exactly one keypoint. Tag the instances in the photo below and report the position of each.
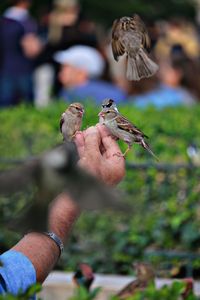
(59, 285)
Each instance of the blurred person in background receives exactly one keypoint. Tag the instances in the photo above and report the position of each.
(80, 73)
(66, 28)
(19, 46)
(20, 12)
(177, 82)
(178, 32)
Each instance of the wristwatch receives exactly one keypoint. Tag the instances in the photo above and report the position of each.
(56, 239)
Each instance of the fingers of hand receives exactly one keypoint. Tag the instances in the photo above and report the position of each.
(110, 145)
(80, 143)
(92, 140)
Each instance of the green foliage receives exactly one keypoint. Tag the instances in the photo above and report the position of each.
(30, 131)
(167, 292)
(100, 10)
(171, 292)
(32, 290)
(81, 293)
(165, 206)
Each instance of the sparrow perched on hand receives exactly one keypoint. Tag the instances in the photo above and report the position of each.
(123, 129)
(130, 36)
(84, 276)
(145, 276)
(71, 121)
(107, 103)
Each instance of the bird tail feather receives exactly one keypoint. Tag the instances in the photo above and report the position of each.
(147, 147)
(140, 66)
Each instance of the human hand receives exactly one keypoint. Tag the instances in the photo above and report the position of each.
(31, 45)
(97, 151)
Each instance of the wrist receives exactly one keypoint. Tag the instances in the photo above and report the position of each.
(56, 240)
(41, 251)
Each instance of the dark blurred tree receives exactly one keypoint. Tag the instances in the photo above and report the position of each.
(105, 11)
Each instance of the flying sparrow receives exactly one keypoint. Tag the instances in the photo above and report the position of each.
(45, 176)
(123, 129)
(83, 276)
(145, 276)
(130, 36)
(71, 121)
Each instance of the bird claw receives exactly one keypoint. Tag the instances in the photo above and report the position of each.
(74, 135)
(119, 154)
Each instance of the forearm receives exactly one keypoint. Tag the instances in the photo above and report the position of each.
(41, 250)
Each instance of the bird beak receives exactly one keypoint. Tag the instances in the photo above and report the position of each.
(101, 114)
(81, 112)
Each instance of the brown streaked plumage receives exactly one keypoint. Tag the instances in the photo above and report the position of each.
(130, 36)
(123, 129)
(71, 121)
(145, 276)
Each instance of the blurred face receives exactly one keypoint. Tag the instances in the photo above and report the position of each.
(24, 3)
(169, 75)
(71, 76)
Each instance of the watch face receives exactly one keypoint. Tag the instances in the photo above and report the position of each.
(56, 239)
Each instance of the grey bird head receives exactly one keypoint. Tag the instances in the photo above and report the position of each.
(109, 103)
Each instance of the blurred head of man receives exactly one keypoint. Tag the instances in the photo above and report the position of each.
(71, 76)
(22, 3)
(79, 64)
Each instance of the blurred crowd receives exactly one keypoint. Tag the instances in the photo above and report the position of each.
(64, 55)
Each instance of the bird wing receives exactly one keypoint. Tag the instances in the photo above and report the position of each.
(130, 289)
(61, 122)
(117, 47)
(126, 125)
(141, 27)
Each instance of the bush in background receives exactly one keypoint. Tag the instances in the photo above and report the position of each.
(165, 203)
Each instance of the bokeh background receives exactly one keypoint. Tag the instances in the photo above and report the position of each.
(164, 227)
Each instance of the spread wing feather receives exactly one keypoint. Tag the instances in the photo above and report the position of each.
(141, 27)
(117, 47)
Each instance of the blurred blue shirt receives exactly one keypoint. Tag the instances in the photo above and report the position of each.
(12, 60)
(17, 273)
(163, 96)
(94, 90)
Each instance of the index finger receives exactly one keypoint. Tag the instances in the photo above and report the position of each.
(108, 141)
(92, 141)
(80, 143)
